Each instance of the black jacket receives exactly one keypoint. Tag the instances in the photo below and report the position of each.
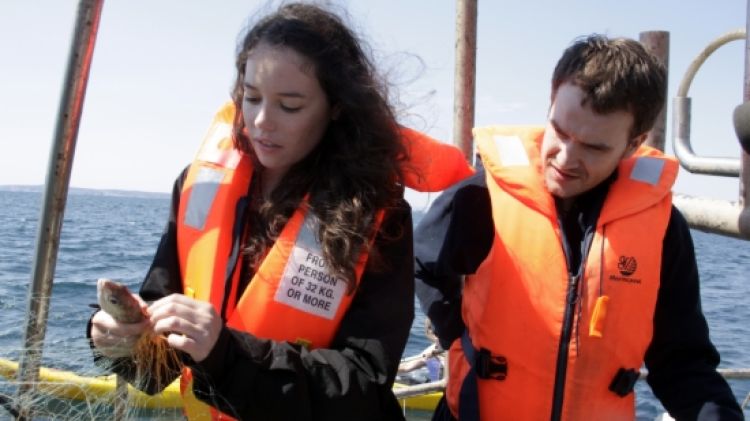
(455, 237)
(253, 378)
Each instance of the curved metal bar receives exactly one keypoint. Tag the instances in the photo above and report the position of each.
(687, 79)
(728, 167)
(55, 195)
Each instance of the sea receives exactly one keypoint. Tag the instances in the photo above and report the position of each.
(114, 234)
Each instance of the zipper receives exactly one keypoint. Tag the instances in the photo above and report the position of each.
(561, 367)
(571, 303)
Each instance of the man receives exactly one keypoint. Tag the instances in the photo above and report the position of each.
(577, 267)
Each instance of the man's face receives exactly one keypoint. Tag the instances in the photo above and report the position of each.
(581, 148)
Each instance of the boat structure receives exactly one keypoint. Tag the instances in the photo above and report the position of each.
(422, 377)
(90, 390)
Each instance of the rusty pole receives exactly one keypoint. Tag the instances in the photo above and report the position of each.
(465, 76)
(657, 43)
(55, 195)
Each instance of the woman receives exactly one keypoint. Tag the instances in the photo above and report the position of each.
(284, 276)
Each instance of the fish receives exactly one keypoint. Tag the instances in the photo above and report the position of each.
(115, 299)
(155, 363)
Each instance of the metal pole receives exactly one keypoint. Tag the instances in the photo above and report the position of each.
(657, 43)
(744, 198)
(712, 215)
(56, 191)
(465, 72)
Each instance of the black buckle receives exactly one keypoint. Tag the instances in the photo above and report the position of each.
(624, 381)
(490, 366)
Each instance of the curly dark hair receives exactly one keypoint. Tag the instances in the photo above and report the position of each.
(616, 74)
(355, 170)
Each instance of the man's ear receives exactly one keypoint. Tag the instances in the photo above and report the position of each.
(634, 144)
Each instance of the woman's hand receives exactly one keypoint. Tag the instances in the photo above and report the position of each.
(189, 325)
(115, 339)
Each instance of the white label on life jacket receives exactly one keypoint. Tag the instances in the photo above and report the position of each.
(510, 150)
(307, 284)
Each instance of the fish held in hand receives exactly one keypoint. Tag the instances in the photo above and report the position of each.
(116, 300)
(155, 363)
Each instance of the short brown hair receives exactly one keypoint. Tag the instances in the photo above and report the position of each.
(616, 74)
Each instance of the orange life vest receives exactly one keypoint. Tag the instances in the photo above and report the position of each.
(433, 165)
(513, 306)
(292, 297)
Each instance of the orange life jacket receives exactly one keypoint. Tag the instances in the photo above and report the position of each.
(292, 297)
(433, 165)
(513, 306)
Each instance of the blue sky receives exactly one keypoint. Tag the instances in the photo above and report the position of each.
(162, 67)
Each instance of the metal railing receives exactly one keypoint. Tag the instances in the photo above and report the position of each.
(681, 117)
(710, 215)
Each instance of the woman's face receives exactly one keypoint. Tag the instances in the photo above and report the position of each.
(285, 109)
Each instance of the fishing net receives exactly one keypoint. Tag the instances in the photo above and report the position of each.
(76, 389)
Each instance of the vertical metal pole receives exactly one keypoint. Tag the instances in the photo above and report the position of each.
(465, 73)
(657, 43)
(744, 193)
(56, 191)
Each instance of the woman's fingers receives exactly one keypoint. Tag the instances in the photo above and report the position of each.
(191, 326)
(180, 314)
(176, 324)
(112, 338)
(187, 344)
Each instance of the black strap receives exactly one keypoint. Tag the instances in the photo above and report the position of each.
(468, 399)
(624, 381)
(484, 366)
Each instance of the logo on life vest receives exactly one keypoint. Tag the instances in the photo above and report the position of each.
(626, 265)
